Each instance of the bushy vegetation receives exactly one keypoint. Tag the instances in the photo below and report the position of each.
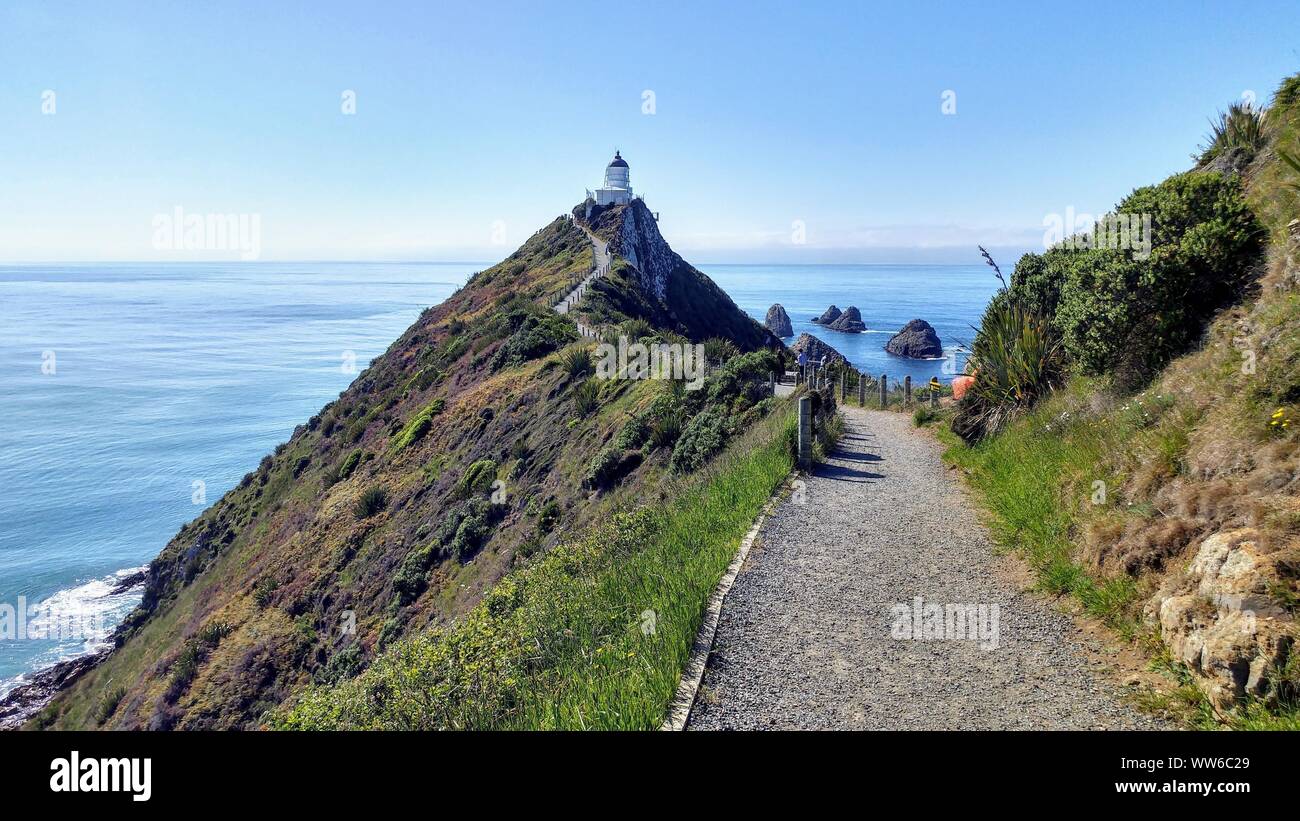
(370, 503)
(576, 362)
(536, 332)
(415, 430)
(477, 478)
(1118, 312)
(1017, 358)
(593, 635)
(1240, 128)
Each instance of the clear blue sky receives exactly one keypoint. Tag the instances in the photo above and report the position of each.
(470, 113)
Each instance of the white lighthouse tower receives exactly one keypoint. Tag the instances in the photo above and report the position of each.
(617, 189)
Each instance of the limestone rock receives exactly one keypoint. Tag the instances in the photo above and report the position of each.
(916, 340)
(1218, 619)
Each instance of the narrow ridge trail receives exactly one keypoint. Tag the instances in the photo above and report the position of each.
(809, 639)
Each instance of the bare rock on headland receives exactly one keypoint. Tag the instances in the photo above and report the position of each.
(30, 698)
(778, 321)
(1218, 618)
(816, 349)
(828, 316)
(849, 322)
(917, 340)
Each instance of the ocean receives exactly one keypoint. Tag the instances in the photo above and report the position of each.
(134, 395)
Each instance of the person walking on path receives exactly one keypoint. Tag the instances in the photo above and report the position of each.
(803, 364)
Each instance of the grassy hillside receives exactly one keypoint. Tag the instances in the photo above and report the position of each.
(593, 636)
(1159, 487)
(477, 443)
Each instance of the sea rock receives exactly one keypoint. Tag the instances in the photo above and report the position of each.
(1218, 618)
(816, 349)
(916, 340)
(828, 316)
(129, 583)
(849, 322)
(30, 698)
(778, 321)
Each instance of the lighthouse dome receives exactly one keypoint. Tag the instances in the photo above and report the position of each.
(617, 189)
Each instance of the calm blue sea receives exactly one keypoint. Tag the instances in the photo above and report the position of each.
(949, 297)
(126, 385)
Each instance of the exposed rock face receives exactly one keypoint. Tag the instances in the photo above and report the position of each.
(816, 349)
(916, 340)
(849, 322)
(26, 700)
(830, 315)
(778, 321)
(668, 292)
(1218, 619)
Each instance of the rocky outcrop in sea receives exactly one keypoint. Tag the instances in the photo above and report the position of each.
(816, 349)
(778, 321)
(828, 316)
(849, 322)
(916, 340)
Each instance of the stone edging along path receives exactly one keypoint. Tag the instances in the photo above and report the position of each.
(679, 711)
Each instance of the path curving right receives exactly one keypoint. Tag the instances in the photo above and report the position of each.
(808, 637)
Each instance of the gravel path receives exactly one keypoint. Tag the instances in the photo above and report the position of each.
(807, 639)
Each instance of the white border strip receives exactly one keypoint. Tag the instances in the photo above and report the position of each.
(679, 711)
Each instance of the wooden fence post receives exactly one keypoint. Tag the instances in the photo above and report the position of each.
(844, 385)
(884, 392)
(771, 382)
(862, 389)
(907, 391)
(805, 432)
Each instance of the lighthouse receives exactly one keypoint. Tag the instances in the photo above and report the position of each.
(617, 189)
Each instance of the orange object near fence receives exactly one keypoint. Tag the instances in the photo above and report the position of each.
(960, 385)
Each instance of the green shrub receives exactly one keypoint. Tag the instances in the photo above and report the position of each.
(633, 435)
(264, 590)
(537, 333)
(371, 502)
(608, 467)
(576, 362)
(703, 436)
(720, 350)
(1240, 127)
(419, 424)
(344, 664)
(548, 517)
(477, 478)
(666, 430)
(1119, 313)
(586, 398)
(1017, 360)
(636, 328)
(349, 465)
(108, 704)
